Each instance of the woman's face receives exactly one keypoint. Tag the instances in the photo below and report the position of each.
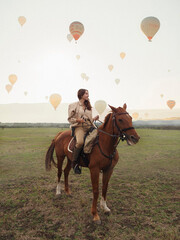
(85, 96)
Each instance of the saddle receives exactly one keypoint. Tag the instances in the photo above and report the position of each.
(90, 141)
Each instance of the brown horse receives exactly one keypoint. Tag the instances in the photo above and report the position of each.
(103, 157)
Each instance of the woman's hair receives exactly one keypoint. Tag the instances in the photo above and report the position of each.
(87, 103)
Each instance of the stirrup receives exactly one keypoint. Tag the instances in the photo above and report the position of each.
(77, 170)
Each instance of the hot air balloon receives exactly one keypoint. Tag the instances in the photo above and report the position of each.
(69, 37)
(76, 29)
(78, 57)
(46, 97)
(55, 100)
(8, 88)
(83, 75)
(150, 26)
(171, 103)
(117, 81)
(25, 93)
(110, 67)
(12, 78)
(135, 115)
(122, 55)
(162, 95)
(22, 20)
(100, 106)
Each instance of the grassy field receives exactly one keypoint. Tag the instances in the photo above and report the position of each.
(143, 193)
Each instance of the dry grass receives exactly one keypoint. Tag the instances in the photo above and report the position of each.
(143, 192)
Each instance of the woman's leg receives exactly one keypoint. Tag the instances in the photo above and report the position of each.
(79, 133)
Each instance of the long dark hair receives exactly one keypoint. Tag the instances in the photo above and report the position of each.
(80, 93)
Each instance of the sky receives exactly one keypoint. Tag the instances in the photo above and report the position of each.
(45, 62)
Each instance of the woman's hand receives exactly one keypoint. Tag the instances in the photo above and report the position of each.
(96, 118)
(80, 120)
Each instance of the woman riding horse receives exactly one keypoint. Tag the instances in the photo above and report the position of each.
(103, 157)
(80, 118)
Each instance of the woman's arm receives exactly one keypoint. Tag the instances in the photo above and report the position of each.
(71, 115)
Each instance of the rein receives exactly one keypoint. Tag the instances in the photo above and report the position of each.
(121, 135)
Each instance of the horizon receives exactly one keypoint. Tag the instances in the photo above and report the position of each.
(44, 112)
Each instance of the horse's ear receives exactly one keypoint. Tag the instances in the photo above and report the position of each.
(113, 108)
(124, 106)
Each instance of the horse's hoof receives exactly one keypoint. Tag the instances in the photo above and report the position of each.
(108, 213)
(98, 222)
(68, 193)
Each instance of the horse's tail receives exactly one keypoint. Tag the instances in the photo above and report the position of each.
(49, 156)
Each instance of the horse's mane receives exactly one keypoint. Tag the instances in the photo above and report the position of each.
(106, 120)
(108, 116)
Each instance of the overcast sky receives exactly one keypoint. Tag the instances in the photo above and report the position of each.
(45, 62)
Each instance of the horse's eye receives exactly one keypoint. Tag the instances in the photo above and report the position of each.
(120, 120)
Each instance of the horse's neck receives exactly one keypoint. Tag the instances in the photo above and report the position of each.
(108, 142)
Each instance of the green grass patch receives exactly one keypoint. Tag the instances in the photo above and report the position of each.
(143, 192)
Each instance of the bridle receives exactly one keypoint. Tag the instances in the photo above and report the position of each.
(121, 135)
(120, 131)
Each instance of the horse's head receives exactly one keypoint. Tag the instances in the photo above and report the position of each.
(122, 124)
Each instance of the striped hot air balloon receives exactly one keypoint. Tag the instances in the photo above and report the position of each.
(76, 29)
(171, 103)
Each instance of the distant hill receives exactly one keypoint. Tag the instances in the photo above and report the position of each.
(33, 113)
(172, 118)
(45, 113)
(158, 124)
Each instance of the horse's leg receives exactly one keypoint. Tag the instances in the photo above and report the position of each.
(66, 174)
(59, 165)
(95, 186)
(106, 176)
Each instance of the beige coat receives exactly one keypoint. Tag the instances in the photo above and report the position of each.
(76, 111)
